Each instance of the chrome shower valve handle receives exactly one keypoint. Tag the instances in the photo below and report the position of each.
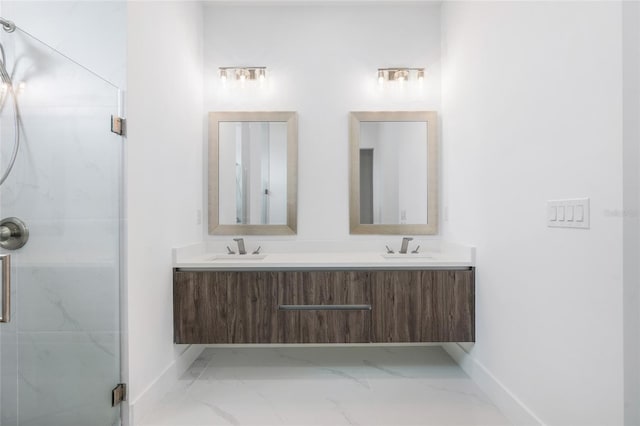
(13, 233)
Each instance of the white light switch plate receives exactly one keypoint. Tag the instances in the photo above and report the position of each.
(571, 213)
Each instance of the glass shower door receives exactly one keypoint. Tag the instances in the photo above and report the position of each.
(60, 353)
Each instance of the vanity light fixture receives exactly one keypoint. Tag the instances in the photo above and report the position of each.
(400, 74)
(243, 74)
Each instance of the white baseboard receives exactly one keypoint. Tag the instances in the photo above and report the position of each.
(146, 402)
(510, 405)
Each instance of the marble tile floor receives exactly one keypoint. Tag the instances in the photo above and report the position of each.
(336, 385)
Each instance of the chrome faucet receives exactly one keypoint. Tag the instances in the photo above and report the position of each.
(405, 245)
(241, 249)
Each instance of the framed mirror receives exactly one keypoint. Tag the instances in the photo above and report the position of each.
(393, 173)
(253, 169)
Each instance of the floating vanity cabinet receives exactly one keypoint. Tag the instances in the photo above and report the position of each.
(423, 306)
(325, 307)
(225, 307)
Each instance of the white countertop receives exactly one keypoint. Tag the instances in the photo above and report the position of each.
(201, 256)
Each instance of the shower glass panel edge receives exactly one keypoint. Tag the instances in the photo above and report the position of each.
(60, 354)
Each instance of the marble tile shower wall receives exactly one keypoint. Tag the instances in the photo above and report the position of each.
(67, 341)
(68, 160)
(60, 353)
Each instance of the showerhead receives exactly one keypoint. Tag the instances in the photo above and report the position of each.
(7, 25)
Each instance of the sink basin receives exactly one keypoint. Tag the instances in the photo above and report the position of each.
(399, 256)
(232, 257)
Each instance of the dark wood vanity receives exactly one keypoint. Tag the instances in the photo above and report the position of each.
(324, 306)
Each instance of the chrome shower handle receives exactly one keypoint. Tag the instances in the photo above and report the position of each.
(6, 287)
(14, 233)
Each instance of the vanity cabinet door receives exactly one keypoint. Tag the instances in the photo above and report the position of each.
(423, 306)
(199, 308)
(251, 300)
(225, 307)
(325, 307)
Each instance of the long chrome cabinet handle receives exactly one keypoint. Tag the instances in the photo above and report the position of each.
(324, 307)
(6, 287)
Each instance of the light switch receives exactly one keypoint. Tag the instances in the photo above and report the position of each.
(569, 213)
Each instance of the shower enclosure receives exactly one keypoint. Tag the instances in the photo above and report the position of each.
(60, 351)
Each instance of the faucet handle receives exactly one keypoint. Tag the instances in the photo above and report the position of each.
(389, 251)
(257, 251)
(416, 250)
(229, 251)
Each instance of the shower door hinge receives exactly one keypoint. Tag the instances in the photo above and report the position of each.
(118, 394)
(118, 125)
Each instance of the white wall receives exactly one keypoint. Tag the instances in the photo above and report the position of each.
(322, 63)
(164, 175)
(631, 210)
(532, 106)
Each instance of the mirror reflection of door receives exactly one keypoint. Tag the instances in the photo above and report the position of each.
(366, 185)
(254, 191)
(252, 181)
(393, 187)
